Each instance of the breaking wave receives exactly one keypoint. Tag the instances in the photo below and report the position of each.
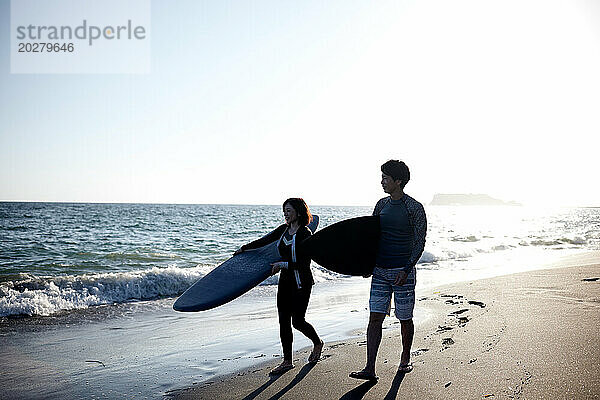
(28, 294)
(33, 295)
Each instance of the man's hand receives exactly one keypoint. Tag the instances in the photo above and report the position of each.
(401, 278)
(238, 251)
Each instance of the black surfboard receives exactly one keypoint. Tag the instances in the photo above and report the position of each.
(347, 247)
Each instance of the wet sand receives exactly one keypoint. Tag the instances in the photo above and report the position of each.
(531, 335)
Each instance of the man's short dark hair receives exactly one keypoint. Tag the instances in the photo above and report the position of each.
(397, 170)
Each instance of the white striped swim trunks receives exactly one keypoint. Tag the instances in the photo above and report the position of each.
(381, 293)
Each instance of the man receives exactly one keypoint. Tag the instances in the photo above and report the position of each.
(403, 230)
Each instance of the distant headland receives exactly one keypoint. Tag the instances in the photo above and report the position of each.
(462, 199)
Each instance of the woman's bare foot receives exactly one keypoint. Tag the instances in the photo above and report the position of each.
(283, 367)
(316, 353)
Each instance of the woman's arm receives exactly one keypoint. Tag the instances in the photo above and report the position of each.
(269, 238)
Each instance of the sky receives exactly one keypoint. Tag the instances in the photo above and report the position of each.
(252, 102)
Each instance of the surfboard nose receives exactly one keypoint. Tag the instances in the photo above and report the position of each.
(184, 305)
(180, 306)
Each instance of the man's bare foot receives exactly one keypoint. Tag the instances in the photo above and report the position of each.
(283, 367)
(316, 353)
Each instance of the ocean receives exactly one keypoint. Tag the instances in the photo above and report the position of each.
(57, 257)
(86, 290)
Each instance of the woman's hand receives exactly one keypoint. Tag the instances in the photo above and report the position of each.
(238, 251)
(278, 266)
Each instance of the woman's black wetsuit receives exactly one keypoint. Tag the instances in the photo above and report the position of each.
(295, 284)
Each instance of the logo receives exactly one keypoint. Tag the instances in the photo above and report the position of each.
(80, 36)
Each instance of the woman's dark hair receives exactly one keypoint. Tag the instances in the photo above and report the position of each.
(298, 204)
(397, 170)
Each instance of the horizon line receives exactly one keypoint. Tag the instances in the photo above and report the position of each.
(264, 204)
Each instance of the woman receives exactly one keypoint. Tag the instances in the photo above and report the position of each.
(295, 280)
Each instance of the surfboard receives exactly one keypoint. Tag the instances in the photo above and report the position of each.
(232, 278)
(347, 247)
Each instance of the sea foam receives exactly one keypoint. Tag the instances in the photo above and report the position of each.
(48, 295)
(32, 295)
(28, 294)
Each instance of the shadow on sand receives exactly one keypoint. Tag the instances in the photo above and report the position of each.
(360, 391)
(393, 392)
(301, 374)
(259, 390)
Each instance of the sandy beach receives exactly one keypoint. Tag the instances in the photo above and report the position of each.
(525, 335)
(531, 335)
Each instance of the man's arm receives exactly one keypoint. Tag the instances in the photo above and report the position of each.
(379, 206)
(419, 231)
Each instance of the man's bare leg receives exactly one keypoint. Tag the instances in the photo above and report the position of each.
(408, 331)
(373, 340)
